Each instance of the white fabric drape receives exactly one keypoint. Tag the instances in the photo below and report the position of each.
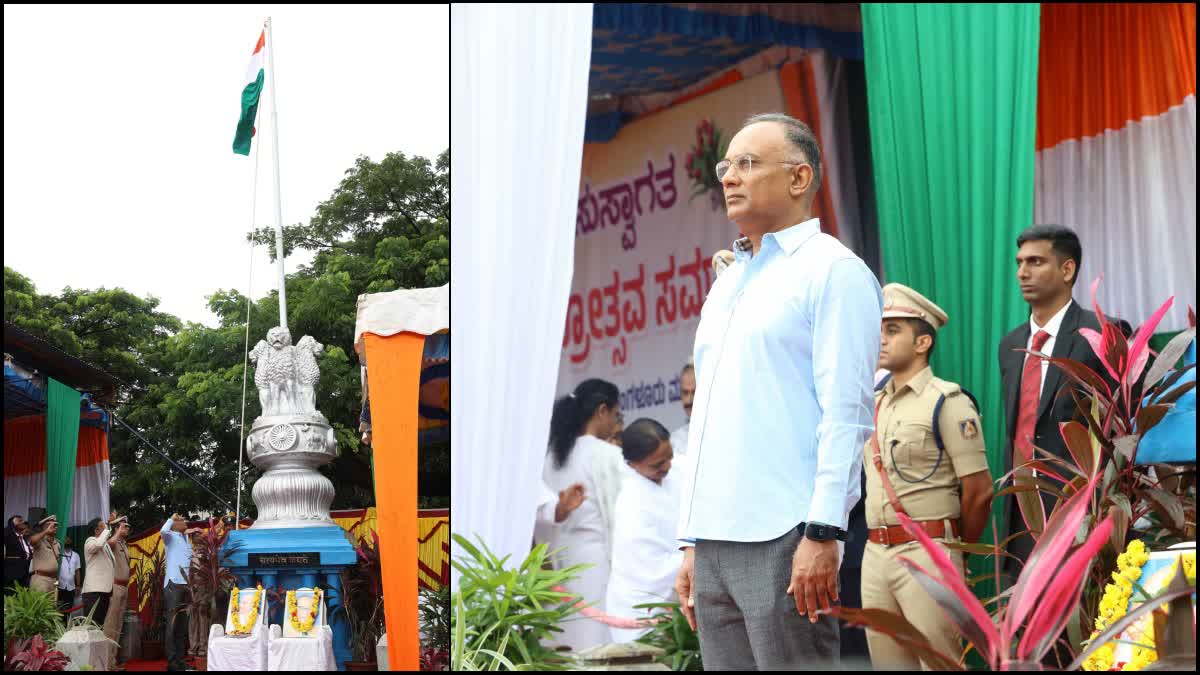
(519, 76)
(1130, 193)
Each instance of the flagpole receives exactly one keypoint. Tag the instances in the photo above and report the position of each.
(278, 199)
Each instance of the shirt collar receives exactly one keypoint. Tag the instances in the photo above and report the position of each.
(789, 239)
(1054, 324)
(917, 383)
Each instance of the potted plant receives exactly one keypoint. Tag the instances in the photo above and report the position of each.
(672, 633)
(28, 613)
(1104, 493)
(362, 603)
(502, 615)
(36, 654)
(208, 581)
(150, 579)
(435, 627)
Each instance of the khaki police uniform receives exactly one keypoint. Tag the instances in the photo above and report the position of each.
(927, 485)
(114, 621)
(44, 568)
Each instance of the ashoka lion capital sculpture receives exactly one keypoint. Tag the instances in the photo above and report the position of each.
(291, 438)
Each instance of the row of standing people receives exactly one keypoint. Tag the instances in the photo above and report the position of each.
(927, 459)
(35, 559)
(612, 504)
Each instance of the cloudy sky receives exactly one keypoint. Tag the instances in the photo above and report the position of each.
(119, 123)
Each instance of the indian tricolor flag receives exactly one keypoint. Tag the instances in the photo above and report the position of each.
(250, 95)
(1116, 149)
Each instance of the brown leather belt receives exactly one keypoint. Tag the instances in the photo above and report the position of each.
(121, 582)
(52, 575)
(894, 535)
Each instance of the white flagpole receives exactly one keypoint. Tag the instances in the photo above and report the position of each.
(278, 199)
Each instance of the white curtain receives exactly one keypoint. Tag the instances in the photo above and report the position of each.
(519, 76)
(1130, 193)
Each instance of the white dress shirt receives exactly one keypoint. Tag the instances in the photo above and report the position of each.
(66, 570)
(1053, 327)
(785, 356)
(679, 440)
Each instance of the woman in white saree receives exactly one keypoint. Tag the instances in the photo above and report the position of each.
(578, 456)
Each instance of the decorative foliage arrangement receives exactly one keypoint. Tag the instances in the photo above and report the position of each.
(435, 625)
(29, 613)
(149, 579)
(362, 599)
(503, 615)
(35, 654)
(1102, 494)
(701, 162)
(672, 633)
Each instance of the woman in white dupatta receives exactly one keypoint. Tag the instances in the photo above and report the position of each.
(578, 456)
(646, 555)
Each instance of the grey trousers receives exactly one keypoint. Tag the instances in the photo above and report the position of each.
(745, 617)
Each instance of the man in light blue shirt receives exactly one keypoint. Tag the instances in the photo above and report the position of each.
(785, 355)
(175, 533)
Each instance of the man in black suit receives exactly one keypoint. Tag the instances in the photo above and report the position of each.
(17, 553)
(1036, 396)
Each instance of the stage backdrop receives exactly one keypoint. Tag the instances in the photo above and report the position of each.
(643, 248)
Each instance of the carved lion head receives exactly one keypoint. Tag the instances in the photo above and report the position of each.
(279, 337)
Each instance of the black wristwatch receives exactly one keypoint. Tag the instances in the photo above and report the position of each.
(823, 532)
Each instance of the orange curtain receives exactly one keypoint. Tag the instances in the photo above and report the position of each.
(800, 92)
(25, 446)
(394, 371)
(1102, 66)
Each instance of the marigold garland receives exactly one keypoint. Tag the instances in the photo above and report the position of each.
(235, 607)
(303, 627)
(1115, 602)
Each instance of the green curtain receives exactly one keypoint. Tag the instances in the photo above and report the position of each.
(952, 100)
(62, 442)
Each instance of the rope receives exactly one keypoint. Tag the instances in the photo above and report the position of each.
(170, 461)
(246, 356)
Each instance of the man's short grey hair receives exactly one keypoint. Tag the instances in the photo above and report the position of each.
(800, 137)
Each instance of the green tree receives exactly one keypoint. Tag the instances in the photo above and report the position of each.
(386, 226)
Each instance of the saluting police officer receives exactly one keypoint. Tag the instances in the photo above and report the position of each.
(926, 458)
(47, 552)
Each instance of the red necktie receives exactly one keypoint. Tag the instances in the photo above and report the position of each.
(1031, 384)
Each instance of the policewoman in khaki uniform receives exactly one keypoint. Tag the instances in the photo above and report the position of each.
(946, 490)
(46, 553)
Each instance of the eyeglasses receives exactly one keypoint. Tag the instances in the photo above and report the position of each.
(744, 164)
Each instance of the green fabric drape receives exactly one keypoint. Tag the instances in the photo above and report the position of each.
(952, 100)
(62, 442)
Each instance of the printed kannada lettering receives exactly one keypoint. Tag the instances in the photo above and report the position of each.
(622, 202)
(649, 394)
(618, 310)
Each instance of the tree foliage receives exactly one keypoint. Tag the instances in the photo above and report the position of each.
(386, 226)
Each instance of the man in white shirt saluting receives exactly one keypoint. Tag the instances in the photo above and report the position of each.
(785, 355)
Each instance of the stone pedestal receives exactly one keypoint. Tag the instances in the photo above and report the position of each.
(627, 656)
(297, 557)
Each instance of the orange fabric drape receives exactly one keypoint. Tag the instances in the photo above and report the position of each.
(394, 371)
(1102, 66)
(800, 93)
(25, 446)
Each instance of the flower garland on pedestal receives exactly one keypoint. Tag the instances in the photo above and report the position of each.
(240, 628)
(303, 627)
(1115, 604)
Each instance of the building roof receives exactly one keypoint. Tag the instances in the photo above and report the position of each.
(34, 352)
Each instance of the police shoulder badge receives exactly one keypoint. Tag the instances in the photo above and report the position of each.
(969, 429)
